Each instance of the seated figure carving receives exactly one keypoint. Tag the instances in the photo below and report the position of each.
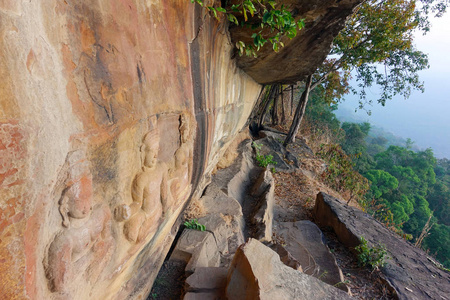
(85, 246)
(149, 193)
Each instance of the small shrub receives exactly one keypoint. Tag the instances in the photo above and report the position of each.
(194, 224)
(340, 174)
(374, 257)
(263, 160)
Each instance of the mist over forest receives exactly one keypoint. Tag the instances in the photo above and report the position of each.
(424, 117)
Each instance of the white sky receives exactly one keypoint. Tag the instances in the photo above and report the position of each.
(425, 118)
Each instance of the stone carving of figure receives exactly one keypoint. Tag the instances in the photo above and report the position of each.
(85, 245)
(181, 171)
(149, 193)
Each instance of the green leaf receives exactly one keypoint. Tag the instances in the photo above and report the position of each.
(233, 19)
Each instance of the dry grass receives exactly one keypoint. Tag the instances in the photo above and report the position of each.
(195, 210)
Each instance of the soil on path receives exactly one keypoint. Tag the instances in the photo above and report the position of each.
(295, 195)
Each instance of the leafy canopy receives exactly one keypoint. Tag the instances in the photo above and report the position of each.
(376, 47)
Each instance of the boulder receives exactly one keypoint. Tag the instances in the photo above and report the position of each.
(198, 249)
(203, 296)
(216, 200)
(408, 270)
(310, 237)
(208, 280)
(257, 273)
(272, 144)
(225, 218)
(216, 224)
(286, 257)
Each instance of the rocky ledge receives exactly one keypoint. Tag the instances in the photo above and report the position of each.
(409, 270)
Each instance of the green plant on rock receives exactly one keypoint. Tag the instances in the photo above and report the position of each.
(269, 22)
(194, 224)
(371, 256)
(263, 160)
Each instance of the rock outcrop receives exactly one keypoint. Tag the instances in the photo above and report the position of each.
(408, 269)
(257, 273)
(305, 242)
(113, 114)
(304, 53)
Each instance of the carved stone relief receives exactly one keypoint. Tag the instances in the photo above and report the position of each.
(149, 193)
(84, 246)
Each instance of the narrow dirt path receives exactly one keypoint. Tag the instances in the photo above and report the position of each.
(295, 195)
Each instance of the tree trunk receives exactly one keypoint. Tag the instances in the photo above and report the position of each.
(299, 112)
(259, 103)
(266, 106)
(292, 100)
(283, 112)
(275, 120)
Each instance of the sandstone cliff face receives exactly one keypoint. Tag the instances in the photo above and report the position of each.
(111, 111)
(112, 115)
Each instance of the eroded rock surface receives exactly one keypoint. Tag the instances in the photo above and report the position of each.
(207, 283)
(408, 270)
(305, 242)
(257, 273)
(113, 114)
(323, 20)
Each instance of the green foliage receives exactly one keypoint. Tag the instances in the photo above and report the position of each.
(381, 182)
(371, 256)
(355, 145)
(340, 173)
(269, 22)
(376, 48)
(321, 112)
(263, 160)
(194, 224)
(406, 185)
(381, 32)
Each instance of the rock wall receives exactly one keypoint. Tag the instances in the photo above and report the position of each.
(112, 116)
(111, 113)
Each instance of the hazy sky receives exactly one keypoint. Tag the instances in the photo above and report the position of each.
(425, 118)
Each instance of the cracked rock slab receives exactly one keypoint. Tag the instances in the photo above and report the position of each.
(258, 273)
(409, 270)
(308, 235)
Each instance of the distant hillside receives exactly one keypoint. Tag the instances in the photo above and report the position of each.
(346, 115)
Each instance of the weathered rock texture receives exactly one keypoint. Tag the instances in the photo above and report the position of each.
(257, 273)
(304, 241)
(111, 112)
(304, 53)
(112, 115)
(408, 269)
